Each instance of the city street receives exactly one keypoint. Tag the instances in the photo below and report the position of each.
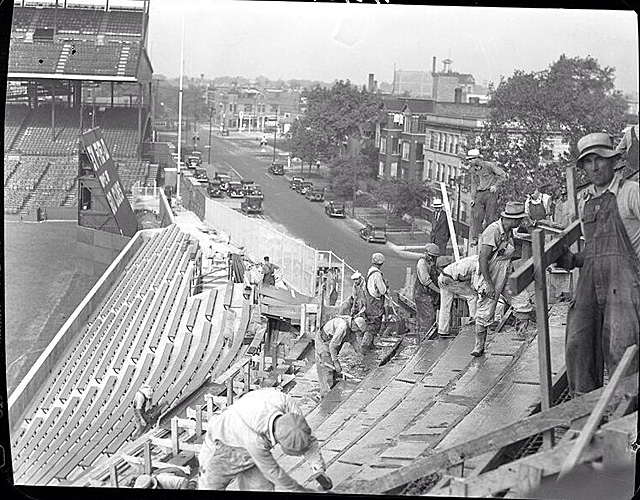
(295, 215)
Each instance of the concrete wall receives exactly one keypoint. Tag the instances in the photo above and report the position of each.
(96, 250)
(32, 384)
(60, 213)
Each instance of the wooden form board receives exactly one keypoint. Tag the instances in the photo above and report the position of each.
(535, 424)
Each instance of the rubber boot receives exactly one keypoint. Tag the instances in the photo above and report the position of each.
(481, 337)
(367, 342)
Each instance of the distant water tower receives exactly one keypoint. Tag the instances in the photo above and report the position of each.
(446, 66)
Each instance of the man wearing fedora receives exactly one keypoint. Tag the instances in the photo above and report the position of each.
(494, 264)
(604, 317)
(440, 227)
(485, 178)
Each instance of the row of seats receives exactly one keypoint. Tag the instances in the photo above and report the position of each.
(95, 59)
(56, 185)
(79, 21)
(36, 56)
(14, 117)
(115, 354)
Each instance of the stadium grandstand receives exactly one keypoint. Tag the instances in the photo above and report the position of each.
(74, 66)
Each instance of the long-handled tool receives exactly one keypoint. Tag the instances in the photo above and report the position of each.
(323, 480)
(343, 373)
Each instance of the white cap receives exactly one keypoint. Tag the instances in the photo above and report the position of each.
(473, 153)
(356, 276)
(437, 203)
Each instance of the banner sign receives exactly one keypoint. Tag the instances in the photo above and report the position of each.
(107, 175)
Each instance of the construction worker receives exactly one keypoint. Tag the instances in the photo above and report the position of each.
(604, 317)
(163, 481)
(355, 304)
(329, 340)
(239, 440)
(497, 249)
(485, 178)
(375, 290)
(538, 205)
(269, 269)
(145, 411)
(425, 289)
(456, 280)
(440, 227)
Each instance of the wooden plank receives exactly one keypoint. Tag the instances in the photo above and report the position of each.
(228, 295)
(524, 275)
(556, 415)
(230, 372)
(211, 302)
(156, 464)
(542, 321)
(594, 419)
(166, 443)
(452, 230)
(193, 314)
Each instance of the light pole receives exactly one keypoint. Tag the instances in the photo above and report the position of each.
(275, 130)
(209, 153)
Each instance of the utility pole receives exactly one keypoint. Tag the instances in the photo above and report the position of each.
(275, 130)
(180, 111)
(209, 153)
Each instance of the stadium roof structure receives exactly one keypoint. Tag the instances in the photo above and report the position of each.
(80, 42)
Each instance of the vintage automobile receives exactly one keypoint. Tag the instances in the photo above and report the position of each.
(374, 234)
(200, 173)
(224, 179)
(304, 187)
(251, 204)
(276, 169)
(295, 182)
(214, 189)
(315, 194)
(234, 189)
(333, 209)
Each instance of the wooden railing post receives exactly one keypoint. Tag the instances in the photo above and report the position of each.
(114, 475)
(198, 423)
(147, 457)
(229, 391)
(175, 443)
(542, 320)
(247, 378)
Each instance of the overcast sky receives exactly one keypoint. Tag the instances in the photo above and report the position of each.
(332, 41)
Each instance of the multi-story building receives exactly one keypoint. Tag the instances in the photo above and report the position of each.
(425, 140)
(251, 108)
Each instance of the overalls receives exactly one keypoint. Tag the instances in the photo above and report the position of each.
(604, 317)
(423, 297)
(373, 313)
(327, 377)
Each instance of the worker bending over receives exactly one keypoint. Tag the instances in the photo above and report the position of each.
(328, 342)
(456, 280)
(425, 290)
(238, 443)
(146, 413)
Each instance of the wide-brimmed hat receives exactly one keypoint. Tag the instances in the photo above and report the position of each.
(598, 143)
(437, 203)
(514, 210)
(360, 322)
(473, 153)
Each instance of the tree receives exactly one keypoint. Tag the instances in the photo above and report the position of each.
(571, 98)
(401, 195)
(306, 142)
(345, 172)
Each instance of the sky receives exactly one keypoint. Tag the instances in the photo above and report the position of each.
(340, 41)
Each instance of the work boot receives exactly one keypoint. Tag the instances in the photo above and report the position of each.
(481, 337)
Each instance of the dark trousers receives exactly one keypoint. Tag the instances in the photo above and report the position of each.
(425, 313)
(483, 213)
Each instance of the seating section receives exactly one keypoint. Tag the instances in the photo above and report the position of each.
(71, 21)
(22, 17)
(85, 408)
(37, 56)
(124, 23)
(94, 59)
(36, 138)
(58, 182)
(14, 117)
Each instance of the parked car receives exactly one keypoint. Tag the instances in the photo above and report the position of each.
(333, 209)
(315, 194)
(295, 182)
(251, 204)
(304, 187)
(193, 161)
(234, 189)
(276, 169)
(374, 234)
(201, 173)
(225, 179)
(224, 131)
(214, 189)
